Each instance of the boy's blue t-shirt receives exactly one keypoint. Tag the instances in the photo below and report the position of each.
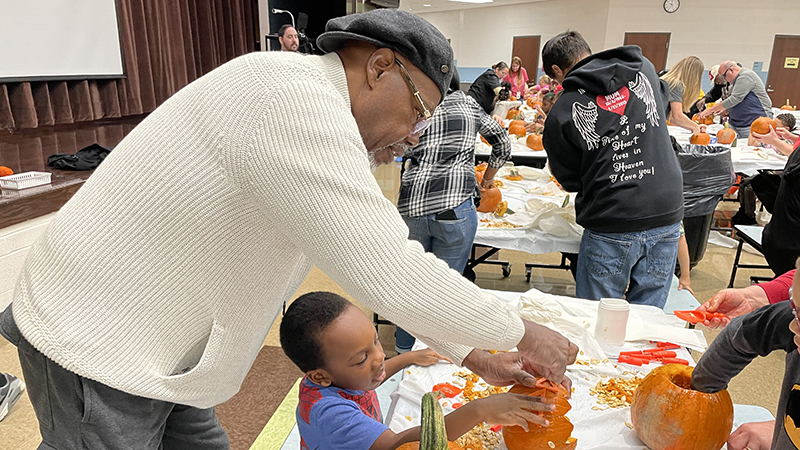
(330, 418)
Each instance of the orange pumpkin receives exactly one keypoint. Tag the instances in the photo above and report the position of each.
(709, 120)
(700, 139)
(517, 127)
(513, 98)
(726, 135)
(490, 198)
(515, 114)
(667, 414)
(787, 106)
(556, 436)
(533, 103)
(534, 142)
(5, 171)
(762, 124)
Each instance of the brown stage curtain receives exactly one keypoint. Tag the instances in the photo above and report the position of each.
(166, 44)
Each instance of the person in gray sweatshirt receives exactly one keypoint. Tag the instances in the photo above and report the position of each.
(748, 99)
(759, 333)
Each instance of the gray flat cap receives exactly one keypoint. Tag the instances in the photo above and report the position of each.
(410, 35)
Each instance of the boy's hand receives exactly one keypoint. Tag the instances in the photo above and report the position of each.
(685, 284)
(426, 357)
(514, 409)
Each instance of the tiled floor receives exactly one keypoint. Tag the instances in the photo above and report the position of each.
(759, 384)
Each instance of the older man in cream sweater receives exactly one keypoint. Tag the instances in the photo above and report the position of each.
(148, 297)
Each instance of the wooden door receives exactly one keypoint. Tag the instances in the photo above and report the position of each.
(655, 47)
(783, 81)
(527, 48)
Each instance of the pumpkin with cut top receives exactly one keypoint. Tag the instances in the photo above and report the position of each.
(667, 414)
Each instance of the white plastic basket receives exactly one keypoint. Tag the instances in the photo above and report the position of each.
(25, 180)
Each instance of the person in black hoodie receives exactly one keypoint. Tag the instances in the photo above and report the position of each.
(606, 139)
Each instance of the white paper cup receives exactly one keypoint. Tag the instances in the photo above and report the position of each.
(612, 319)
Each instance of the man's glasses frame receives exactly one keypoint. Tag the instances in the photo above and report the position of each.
(425, 122)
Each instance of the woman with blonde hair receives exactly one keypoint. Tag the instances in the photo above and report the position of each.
(684, 89)
(518, 77)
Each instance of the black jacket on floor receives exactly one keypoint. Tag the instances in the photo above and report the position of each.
(87, 158)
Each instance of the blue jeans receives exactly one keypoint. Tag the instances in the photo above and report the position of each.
(450, 240)
(742, 132)
(638, 265)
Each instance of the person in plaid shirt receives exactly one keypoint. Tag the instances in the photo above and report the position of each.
(439, 183)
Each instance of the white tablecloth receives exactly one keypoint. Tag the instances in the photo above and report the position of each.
(746, 160)
(596, 429)
(556, 231)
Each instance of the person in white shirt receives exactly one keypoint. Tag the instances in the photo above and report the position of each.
(149, 295)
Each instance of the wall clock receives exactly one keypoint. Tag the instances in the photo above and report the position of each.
(671, 6)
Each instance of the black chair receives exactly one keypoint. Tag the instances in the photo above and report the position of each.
(750, 234)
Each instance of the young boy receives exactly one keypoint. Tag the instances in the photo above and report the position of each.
(769, 328)
(337, 347)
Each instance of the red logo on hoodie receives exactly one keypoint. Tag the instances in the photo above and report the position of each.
(615, 102)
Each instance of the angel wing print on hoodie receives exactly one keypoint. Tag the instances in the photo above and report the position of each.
(585, 119)
(644, 90)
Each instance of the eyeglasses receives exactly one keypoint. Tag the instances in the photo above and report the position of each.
(725, 74)
(425, 121)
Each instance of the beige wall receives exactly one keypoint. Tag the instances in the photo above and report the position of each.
(15, 241)
(711, 30)
(483, 36)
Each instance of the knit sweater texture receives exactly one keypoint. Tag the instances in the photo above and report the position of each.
(162, 279)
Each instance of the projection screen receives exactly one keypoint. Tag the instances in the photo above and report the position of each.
(59, 40)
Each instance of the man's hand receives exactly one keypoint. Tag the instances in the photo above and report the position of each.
(701, 104)
(505, 368)
(548, 352)
(753, 436)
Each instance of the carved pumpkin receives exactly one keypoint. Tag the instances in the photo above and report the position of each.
(5, 171)
(787, 106)
(490, 198)
(515, 114)
(700, 139)
(556, 436)
(726, 135)
(534, 142)
(667, 414)
(762, 124)
(517, 127)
